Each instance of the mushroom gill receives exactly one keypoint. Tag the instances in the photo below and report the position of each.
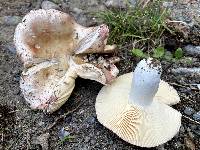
(130, 109)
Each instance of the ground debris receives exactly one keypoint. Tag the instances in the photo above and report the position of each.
(189, 143)
(49, 5)
(62, 117)
(188, 71)
(192, 50)
(42, 140)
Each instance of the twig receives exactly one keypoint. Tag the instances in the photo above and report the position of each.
(176, 21)
(191, 119)
(2, 137)
(27, 140)
(61, 117)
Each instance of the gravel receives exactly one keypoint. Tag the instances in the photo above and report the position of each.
(63, 133)
(189, 111)
(10, 20)
(49, 5)
(192, 50)
(196, 116)
(188, 71)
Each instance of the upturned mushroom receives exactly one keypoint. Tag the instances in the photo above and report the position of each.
(134, 110)
(55, 50)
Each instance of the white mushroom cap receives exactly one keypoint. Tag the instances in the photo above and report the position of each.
(146, 124)
(46, 42)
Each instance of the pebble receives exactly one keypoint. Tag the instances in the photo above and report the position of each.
(192, 50)
(11, 48)
(187, 71)
(82, 19)
(41, 123)
(16, 91)
(63, 133)
(93, 142)
(120, 3)
(161, 147)
(49, 5)
(196, 116)
(189, 111)
(197, 132)
(178, 145)
(10, 20)
(16, 78)
(87, 139)
(115, 4)
(91, 120)
(68, 119)
(193, 127)
(168, 4)
(182, 129)
(77, 10)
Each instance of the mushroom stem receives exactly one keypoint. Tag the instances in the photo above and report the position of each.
(145, 82)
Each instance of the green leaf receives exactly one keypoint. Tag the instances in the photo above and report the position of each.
(66, 138)
(159, 52)
(138, 53)
(178, 53)
(168, 55)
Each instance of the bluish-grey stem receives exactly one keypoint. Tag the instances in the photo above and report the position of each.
(145, 82)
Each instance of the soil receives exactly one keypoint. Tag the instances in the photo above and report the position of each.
(20, 126)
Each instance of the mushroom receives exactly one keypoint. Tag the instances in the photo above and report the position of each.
(132, 110)
(54, 50)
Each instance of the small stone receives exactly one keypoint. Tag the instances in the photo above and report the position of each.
(189, 111)
(178, 145)
(87, 139)
(63, 133)
(133, 3)
(11, 48)
(10, 20)
(120, 3)
(68, 119)
(168, 4)
(16, 78)
(41, 123)
(115, 4)
(192, 50)
(16, 91)
(111, 142)
(97, 133)
(91, 120)
(187, 71)
(161, 147)
(193, 127)
(77, 10)
(182, 129)
(93, 142)
(93, 3)
(49, 5)
(82, 19)
(196, 116)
